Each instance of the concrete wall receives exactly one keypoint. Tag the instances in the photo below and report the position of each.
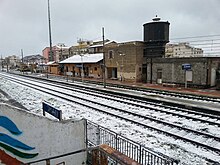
(50, 138)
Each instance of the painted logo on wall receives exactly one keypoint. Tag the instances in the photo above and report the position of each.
(11, 144)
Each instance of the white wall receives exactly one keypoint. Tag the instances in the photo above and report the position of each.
(50, 138)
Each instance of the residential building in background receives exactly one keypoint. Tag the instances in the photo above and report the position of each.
(45, 53)
(60, 52)
(182, 50)
(12, 62)
(88, 47)
(33, 59)
(97, 46)
(81, 47)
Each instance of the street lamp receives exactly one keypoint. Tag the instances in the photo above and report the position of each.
(2, 63)
(22, 61)
(82, 70)
(50, 38)
(103, 38)
(122, 66)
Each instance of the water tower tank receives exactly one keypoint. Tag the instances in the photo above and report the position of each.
(156, 31)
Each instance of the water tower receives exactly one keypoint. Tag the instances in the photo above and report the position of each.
(156, 35)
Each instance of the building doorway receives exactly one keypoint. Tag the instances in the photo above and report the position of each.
(159, 76)
(112, 73)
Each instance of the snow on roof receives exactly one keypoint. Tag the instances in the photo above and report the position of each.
(51, 62)
(84, 58)
(62, 47)
(100, 45)
(94, 46)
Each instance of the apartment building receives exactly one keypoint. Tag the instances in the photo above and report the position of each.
(59, 53)
(182, 50)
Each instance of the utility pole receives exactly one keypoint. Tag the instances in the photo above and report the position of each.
(2, 62)
(50, 38)
(7, 63)
(22, 60)
(103, 38)
(50, 58)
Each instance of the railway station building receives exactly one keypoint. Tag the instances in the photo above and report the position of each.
(91, 64)
(153, 60)
(124, 61)
(127, 62)
(200, 71)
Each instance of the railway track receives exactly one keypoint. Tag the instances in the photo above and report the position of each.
(165, 96)
(159, 92)
(200, 138)
(144, 91)
(162, 108)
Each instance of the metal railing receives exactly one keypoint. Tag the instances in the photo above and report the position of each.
(97, 135)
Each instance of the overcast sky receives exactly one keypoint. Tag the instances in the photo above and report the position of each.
(24, 23)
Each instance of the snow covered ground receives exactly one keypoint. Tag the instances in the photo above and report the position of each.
(185, 152)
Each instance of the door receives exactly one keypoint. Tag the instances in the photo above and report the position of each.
(213, 77)
(114, 72)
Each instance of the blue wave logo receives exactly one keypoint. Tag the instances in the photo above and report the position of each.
(12, 145)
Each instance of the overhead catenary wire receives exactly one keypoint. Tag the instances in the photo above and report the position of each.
(206, 45)
(206, 36)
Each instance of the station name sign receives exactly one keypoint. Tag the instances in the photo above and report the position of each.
(51, 110)
(186, 66)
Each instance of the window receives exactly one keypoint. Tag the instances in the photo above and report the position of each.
(110, 54)
(95, 68)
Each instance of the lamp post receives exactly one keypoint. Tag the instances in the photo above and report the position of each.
(50, 38)
(82, 70)
(122, 66)
(103, 38)
(22, 61)
(2, 63)
(7, 62)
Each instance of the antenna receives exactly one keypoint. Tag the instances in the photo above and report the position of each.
(156, 18)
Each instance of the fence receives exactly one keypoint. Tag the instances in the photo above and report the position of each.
(99, 135)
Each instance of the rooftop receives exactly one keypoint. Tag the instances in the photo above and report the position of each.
(85, 58)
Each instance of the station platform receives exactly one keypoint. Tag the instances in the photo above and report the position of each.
(201, 106)
(212, 92)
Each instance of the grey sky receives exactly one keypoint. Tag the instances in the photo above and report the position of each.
(24, 23)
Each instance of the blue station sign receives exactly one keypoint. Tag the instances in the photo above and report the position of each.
(51, 110)
(186, 66)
